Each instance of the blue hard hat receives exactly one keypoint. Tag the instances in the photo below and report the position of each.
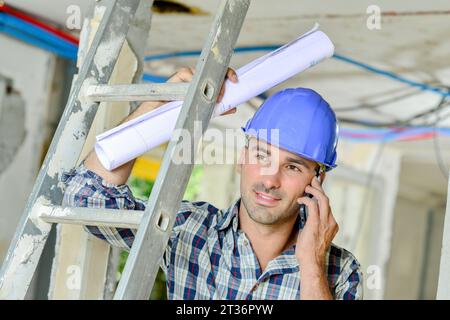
(306, 123)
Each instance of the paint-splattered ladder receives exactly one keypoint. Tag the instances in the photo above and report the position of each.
(122, 20)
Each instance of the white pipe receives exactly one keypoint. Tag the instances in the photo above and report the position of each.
(133, 138)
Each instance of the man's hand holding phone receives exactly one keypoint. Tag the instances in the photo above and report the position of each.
(315, 238)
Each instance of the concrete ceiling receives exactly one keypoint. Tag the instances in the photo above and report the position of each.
(413, 41)
(410, 43)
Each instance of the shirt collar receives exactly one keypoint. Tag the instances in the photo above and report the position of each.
(229, 216)
(286, 262)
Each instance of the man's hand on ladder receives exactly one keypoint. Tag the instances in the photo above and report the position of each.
(186, 74)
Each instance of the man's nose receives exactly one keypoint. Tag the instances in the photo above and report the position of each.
(271, 181)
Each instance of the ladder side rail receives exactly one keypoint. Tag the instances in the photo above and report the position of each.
(159, 217)
(26, 247)
(97, 272)
(443, 288)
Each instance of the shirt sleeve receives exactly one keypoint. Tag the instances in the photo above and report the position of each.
(350, 281)
(84, 188)
(189, 217)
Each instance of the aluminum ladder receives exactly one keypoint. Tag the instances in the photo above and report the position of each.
(122, 20)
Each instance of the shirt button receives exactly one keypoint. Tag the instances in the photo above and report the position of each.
(245, 242)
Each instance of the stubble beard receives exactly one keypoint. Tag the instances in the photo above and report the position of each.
(264, 215)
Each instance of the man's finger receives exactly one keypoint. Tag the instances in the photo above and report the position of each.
(232, 75)
(231, 111)
(187, 74)
(221, 93)
(182, 75)
(316, 184)
(322, 200)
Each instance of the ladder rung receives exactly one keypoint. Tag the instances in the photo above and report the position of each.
(138, 92)
(90, 216)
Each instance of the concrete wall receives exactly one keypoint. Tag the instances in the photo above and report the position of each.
(362, 191)
(414, 263)
(38, 77)
(413, 267)
(31, 71)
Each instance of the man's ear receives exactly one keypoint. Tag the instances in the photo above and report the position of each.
(322, 177)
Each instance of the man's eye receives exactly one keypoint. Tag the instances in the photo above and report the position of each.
(261, 157)
(294, 168)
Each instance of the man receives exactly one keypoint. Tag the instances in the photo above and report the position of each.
(263, 246)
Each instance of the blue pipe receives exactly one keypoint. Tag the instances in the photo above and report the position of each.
(388, 74)
(393, 76)
(47, 41)
(383, 135)
(194, 53)
(71, 55)
(30, 29)
(153, 78)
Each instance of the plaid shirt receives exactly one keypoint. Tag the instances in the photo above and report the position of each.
(208, 256)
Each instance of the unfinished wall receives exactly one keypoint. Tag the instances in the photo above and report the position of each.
(362, 191)
(413, 266)
(31, 71)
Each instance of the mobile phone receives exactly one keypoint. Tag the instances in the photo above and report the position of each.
(303, 207)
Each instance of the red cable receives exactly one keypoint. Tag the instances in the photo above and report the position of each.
(421, 136)
(21, 15)
(362, 135)
(412, 137)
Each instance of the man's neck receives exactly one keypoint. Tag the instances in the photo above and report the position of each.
(268, 241)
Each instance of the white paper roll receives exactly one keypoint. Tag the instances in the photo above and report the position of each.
(133, 138)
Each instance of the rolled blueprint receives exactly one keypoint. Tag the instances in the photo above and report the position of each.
(133, 138)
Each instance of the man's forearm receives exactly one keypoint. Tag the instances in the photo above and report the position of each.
(119, 175)
(314, 284)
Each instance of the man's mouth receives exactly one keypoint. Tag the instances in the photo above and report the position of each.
(266, 199)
